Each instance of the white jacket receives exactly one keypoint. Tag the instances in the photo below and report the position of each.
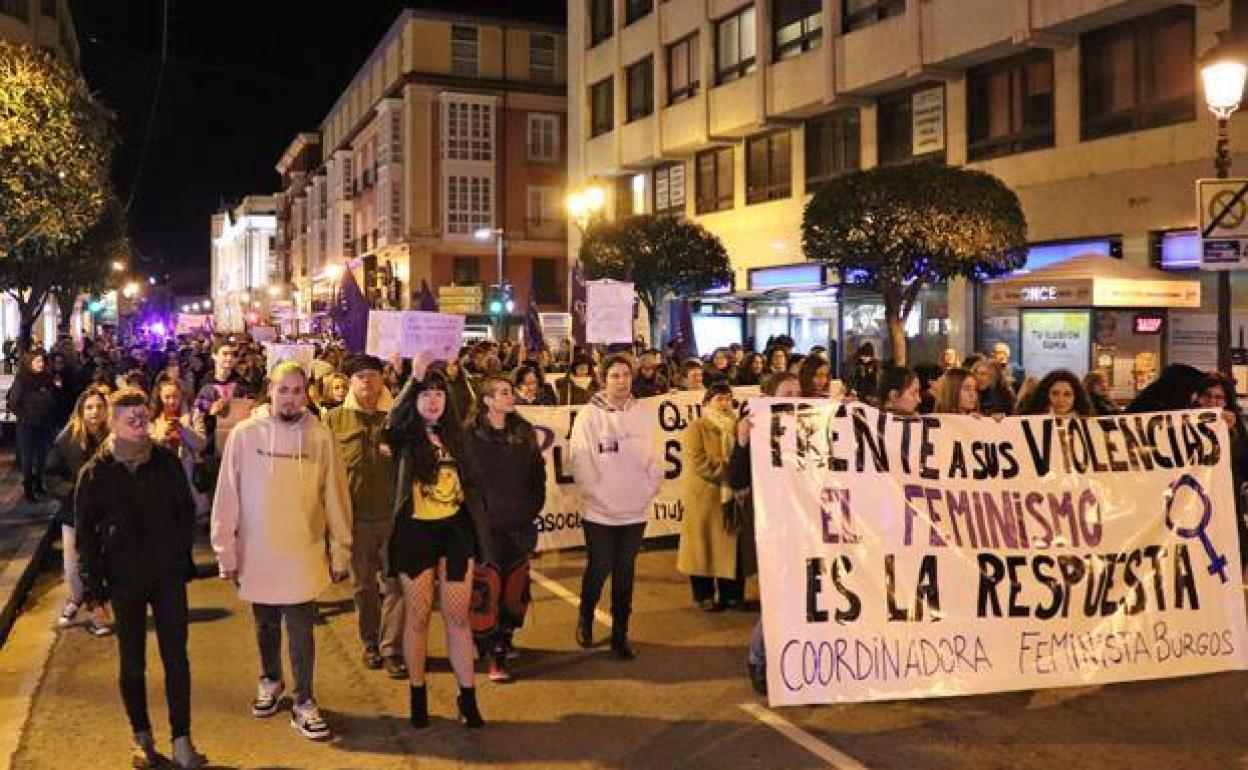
(616, 462)
(281, 496)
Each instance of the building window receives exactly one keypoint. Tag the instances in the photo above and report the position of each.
(630, 195)
(1139, 74)
(543, 137)
(832, 146)
(544, 281)
(734, 46)
(682, 69)
(640, 83)
(543, 206)
(669, 189)
(911, 125)
(48, 8)
(464, 50)
(863, 13)
(469, 204)
(469, 130)
(601, 107)
(466, 271)
(636, 9)
(797, 26)
(768, 167)
(17, 8)
(714, 182)
(601, 23)
(1010, 106)
(542, 54)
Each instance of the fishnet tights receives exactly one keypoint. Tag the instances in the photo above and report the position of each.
(456, 599)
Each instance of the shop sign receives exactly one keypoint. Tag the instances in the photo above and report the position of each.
(1149, 323)
(1057, 340)
(786, 277)
(1016, 293)
(1144, 293)
(927, 114)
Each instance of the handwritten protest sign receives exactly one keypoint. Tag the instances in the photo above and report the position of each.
(408, 333)
(906, 557)
(236, 411)
(300, 352)
(609, 305)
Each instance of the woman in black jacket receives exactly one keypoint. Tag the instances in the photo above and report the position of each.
(513, 487)
(35, 399)
(440, 527)
(77, 443)
(1218, 392)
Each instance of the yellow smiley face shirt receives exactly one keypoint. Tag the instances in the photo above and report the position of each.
(441, 499)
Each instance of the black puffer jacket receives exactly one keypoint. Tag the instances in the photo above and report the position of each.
(35, 399)
(133, 529)
(513, 474)
(64, 463)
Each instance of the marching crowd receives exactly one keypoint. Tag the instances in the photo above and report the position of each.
(420, 482)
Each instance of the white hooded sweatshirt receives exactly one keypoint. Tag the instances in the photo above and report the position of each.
(282, 494)
(615, 461)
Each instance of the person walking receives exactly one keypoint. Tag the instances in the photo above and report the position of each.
(180, 431)
(513, 486)
(76, 444)
(135, 520)
(357, 425)
(616, 463)
(440, 532)
(708, 551)
(34, 400)
(281, 498)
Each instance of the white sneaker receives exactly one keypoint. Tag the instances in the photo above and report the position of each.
(69, 614)
(268, 695)
(307, 721)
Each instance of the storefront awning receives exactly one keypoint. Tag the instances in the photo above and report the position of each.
(1094, 280)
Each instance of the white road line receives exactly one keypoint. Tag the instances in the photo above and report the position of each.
(569, 597)
(835, 758)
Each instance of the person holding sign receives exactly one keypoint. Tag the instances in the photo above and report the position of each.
(1061, 394)
(440, 532)
(708, 551)
(616, 463)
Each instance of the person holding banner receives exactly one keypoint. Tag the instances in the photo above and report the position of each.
(616, 462)
(1060, 394)
(440, 532)
(899, 390)
(513, 487)
(957, 392)
(1218, 392)
(709, 540)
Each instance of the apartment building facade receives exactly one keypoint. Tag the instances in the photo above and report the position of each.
(245, 264)
(455, 126)
(45, 24)
(732, 113)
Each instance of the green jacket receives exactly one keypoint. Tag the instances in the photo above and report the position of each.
(370, 475)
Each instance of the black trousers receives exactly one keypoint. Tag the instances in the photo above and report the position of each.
(169, 610)
(729, 589)
(612, 551)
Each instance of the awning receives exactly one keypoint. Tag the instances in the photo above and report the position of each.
(1095, 280)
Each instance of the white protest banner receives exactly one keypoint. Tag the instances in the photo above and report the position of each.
(408, 333)
(609, 309)
(948, 555)
(559, 525)
(263, 333)
(191, 323)
(300, 352)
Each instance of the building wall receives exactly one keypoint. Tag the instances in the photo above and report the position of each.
(1128, 185)
(23, 21)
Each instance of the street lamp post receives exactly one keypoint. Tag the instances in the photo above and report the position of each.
(1223, 78)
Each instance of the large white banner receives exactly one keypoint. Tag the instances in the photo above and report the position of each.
(943, 555)
(560, 523)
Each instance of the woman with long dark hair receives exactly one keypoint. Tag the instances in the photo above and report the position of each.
(1218, 392)
(440, 532)
(531, 388)
(752, 370)
(814, 375)
(899, 391)
(1060, 394)
(34, 400)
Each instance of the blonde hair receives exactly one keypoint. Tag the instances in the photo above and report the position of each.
(284, 368)
(949, 391)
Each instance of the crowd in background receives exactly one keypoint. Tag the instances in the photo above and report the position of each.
(420, 482)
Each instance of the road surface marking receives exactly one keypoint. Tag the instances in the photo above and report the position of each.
(569, 597)
(835, 758)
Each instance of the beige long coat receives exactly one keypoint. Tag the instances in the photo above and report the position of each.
(707, 549)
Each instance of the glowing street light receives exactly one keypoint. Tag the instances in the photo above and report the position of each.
(275, 291)
(583, 204)
(334, 272)
(118, 266)
(186, 308)
(207, 304)
(151, 279)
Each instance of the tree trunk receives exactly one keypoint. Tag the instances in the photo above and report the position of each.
(65, 301)
(28, 312)
(896, 327)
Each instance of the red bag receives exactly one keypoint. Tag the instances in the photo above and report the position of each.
(486, 591)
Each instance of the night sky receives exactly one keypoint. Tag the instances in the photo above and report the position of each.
(241, 79)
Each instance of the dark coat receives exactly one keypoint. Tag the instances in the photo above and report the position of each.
(133, 529)
(35, 399)
(513, 475)
(65, 461)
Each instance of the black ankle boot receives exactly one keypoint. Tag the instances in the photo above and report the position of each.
(585, 632)
(469, 716)
(28, 488)
(420, 706)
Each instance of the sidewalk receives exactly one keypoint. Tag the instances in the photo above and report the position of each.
(26, 532)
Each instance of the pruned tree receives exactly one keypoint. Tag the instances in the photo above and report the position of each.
(55, 148)
(660, 255)
(897, 229)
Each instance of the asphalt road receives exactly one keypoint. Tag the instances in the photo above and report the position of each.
(684, 702)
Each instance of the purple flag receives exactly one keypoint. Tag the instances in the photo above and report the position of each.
(579, 300)
(350, 313)
(427, 302)
(680, 327)
(533, 328)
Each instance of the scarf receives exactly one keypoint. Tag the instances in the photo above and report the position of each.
(726, 424)
(131, 454)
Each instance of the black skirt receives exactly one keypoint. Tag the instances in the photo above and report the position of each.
(419, 544)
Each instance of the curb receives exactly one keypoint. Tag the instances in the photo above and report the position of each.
(19, 575)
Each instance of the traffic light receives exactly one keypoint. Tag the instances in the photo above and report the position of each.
(95, 306)
(494, 300)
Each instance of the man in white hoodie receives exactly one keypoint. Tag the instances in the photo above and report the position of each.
(282, 494)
